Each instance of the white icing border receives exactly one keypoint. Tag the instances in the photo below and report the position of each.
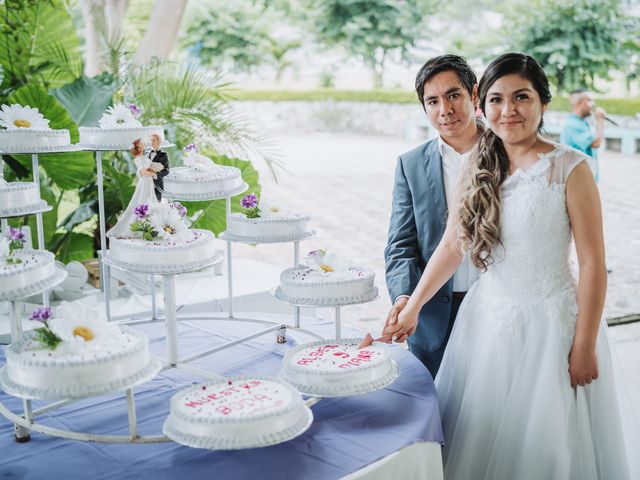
(267, 239)
(202, 197)
(39, 207)
(164, 269)
(79, 391)
(35, 288)
(326, 302)
(12, 149)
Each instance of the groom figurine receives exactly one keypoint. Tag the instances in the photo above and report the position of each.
(159, 166)
(424, 189)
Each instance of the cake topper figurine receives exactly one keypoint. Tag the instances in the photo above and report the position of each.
(150, 186)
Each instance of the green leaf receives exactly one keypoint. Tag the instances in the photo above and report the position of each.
(86, 99)
(49, 219)
(213, 214)
(75, 246)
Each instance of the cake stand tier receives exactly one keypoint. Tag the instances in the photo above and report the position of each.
(266, 240)
(164, 269)
(204, 197)
(33, 289)
(370, 296)
(30, 150)
(79, 391)
(114, 147)
(40, 207)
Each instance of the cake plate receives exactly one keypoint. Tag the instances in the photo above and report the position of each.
(297, 302)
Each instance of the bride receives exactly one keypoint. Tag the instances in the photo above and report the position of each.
(144, 192)
(528, 387)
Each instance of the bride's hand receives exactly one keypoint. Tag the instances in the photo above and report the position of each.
(405, 326)
(583, 365)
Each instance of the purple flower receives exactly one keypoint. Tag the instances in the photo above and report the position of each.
(41, 314)
(192, 147)
(16, 235)
(141, 211)
(249, 201)
(182, 210)
(135, 111)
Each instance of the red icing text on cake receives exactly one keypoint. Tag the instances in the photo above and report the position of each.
(317, 354)
(224, 393)
(364, 356)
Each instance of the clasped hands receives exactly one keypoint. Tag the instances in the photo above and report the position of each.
(401, 324)
(147, 172)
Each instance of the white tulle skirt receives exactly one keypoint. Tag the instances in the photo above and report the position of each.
(507, 406)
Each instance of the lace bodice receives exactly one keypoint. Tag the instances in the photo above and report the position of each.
(533, 258)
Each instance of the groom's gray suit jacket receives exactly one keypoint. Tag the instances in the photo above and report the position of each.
(418, 220)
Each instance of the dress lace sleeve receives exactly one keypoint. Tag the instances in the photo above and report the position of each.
(563, 163)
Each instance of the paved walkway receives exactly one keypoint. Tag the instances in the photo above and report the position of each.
(345, 181)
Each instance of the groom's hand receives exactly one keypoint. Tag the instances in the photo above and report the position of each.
(392, 318)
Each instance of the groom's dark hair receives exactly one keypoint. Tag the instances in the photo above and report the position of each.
(445, 63)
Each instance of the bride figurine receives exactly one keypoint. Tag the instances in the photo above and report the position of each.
(144, 193)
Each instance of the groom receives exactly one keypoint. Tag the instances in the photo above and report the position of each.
(424, 188)
(161, 169)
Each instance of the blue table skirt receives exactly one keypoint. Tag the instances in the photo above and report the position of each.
(347, 433)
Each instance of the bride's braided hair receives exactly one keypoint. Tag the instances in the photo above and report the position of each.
(479, 208)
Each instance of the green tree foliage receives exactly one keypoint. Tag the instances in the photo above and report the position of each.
(371, 29)
(576, 41)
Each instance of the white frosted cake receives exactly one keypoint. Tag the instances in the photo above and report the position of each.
(119, 127)
(27, 130)
(74, 356)
(261, 221)
(244, 412)
(156, 239)
(24, 268)
(201, 179)
(19, 196)
(338, 367)
(324, 279)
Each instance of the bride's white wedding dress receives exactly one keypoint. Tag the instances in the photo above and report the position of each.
(508, 409)
(144, 193)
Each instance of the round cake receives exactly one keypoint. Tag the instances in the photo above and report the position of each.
(27, 139)
(23, 269)
(117, 138)
(324, 279)
(19, 196)
(162, 255)
(338, 367)
(107, 357)
(244, 412)
(191, 183)
(281, 226)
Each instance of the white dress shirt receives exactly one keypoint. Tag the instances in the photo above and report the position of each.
(452, 163)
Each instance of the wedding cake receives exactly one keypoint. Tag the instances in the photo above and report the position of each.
(159, 240)
(21, 268)
(264, 222)
(119, 127)
(338, 367)
(201, 179)
(17, 197)
(325, 279)
(74, 355)
(245, 412)
(26, 130)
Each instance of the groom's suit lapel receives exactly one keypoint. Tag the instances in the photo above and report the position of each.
(435, 179)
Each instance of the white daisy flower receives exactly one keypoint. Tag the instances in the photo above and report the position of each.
(80, 327)
(119, 116)
(324, 262)
(168, 223)
(16, 116)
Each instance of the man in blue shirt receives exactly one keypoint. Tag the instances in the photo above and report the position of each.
(577, 132)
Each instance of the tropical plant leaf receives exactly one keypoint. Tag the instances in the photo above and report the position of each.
(75, 246)
(86, 99)
(212, 215)
(67, 170)
(39, 43)
(118, 190)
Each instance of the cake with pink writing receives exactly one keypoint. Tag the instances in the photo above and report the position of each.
(338, 368)
(326, 279)
(243, 412)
